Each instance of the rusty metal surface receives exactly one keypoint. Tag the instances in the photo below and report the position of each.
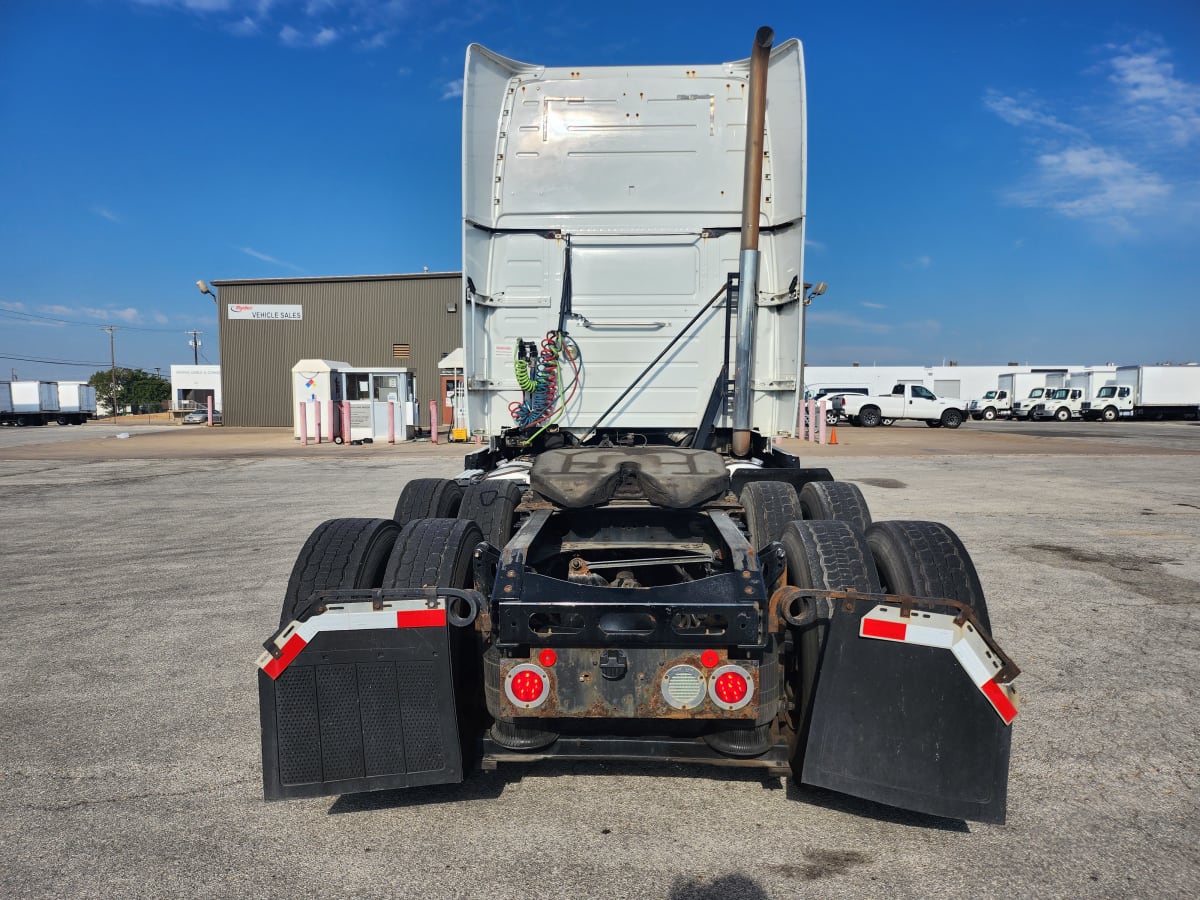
(578, 689)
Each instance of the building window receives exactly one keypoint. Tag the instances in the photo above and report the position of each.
(401, 351)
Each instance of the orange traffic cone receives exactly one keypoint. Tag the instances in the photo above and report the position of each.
(832, 436)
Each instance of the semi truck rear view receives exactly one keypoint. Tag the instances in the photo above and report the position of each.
(631, 568)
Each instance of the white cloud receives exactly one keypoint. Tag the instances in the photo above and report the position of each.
(921, 262)
(377, 40)
(1120, 161)
(1095, 184)
(202, 6)
(129, 315)
(1146, 84)
(870, 305)
(293, 37)
(1025, 111)
(816, 246)
(12, 305)
(250, 251)
(104, 213)
(452, 89)
(842, 320)
(160, 319)
(245, 28)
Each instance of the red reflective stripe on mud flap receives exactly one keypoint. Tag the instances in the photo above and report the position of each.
(878, 628)
(999, 700)
(289, 651)
(421, 618)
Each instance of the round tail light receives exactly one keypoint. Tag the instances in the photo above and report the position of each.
(731, 687)
(683, 687)
(527, 686)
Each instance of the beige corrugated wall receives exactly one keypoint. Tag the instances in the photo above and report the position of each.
(353, 319)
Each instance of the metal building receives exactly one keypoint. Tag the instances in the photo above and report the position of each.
(267, 325)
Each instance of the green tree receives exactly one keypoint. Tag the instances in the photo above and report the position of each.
(135, 388)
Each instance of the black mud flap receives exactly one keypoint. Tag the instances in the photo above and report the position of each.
(906, 726)
(363, 709)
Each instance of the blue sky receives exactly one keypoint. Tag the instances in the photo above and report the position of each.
(988, 182)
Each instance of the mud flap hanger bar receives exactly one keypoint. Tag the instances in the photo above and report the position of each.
(802, 606)
(462, 606)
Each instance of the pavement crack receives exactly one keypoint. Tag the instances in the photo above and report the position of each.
(148, 795)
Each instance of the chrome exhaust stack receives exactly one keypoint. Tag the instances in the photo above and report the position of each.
(756, 115)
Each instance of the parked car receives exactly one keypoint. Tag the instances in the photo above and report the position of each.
(200, 417)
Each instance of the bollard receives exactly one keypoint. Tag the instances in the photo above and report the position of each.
(303, 424)
(346, 421)
(210, 410)
(433, 421)
(317, 419)
(391, 421)
(822, 423)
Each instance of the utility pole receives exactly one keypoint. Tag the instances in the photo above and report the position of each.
(195, 345)
(112, 352)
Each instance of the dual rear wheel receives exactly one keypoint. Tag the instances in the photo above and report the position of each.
(921, 559)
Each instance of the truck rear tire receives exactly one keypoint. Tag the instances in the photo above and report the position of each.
(769, 506)
(926, 559)
(869, 416)
(492, 506)
(829, 556)
(837, 500)
(428, 498)
(952, 418)
(437, 553)
(433, 553)
(339, 554)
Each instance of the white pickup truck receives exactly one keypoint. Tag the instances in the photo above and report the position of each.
(906, 401)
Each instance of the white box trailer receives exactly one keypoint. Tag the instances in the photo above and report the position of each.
(1066, 403)
(33, 402)
(1011, 388)
(76, 402)
(1023, 406)
(1148, 392)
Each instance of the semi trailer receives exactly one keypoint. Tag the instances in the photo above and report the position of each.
(76, 402)
(29, 403)
(632, 567)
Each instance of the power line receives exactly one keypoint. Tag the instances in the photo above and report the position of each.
(12, 313)
(53, 362)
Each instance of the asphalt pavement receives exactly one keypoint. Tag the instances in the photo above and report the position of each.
(138, 587)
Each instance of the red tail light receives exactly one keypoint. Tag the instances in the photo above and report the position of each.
(731, 687)
(526, 686)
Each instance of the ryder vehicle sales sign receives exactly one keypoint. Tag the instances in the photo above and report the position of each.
(268, 311)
